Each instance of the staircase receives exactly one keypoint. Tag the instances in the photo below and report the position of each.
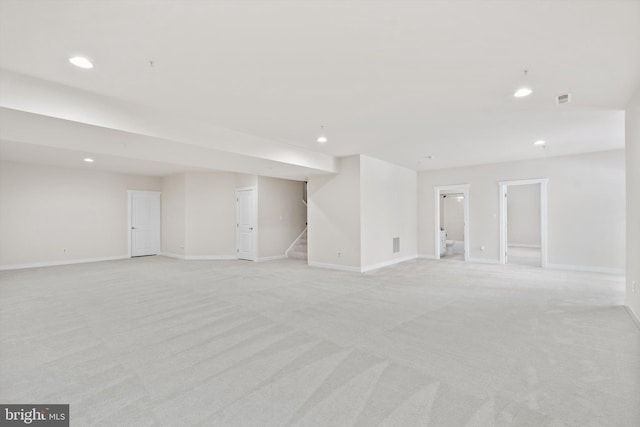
(298, 249)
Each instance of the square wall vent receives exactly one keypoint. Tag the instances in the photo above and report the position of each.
(563, 99)
(396, 245)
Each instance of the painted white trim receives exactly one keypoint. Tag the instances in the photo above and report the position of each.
(270, 258)
(171, 255)
(286, 253)
(362, 269)
(452, 187)
(544, 216)
(254, 188)
(484, 261)
(129, 224)
(426, 256)
(387, 263)
(129, 195)
(589, 269)
(634, 317)
(437, 190)
(209, 257)
(524, 181)
(63, 262)
(334, 267)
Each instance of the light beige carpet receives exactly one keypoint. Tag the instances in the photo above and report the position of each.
(158, 341)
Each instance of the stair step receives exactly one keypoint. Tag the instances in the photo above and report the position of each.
(297, 255)
(299, 249)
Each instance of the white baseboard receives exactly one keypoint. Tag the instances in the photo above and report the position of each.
(606, 270)
(361, 269)
(63, 262)
(426, 256)
(209, 257)
(171, 255)
(387, 263)
(633, 315)
(484, 260)
(334, 267)
(270, 258)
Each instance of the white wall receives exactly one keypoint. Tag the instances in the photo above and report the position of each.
(586, 207)
(46, 209)
(388, 209)
(281, 215)
(199, 214)
(210, 214)
(633, 203)
(334, 216)
(523, 215)
(354, 215)
(173, 215)
(245, 180)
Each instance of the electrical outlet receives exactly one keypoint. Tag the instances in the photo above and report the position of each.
(482, 248)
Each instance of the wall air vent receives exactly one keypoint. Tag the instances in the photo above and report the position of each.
(563, 99)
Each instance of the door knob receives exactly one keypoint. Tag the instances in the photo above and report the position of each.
(251, 228)
(133, 228)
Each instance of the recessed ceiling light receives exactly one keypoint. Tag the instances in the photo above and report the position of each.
(322, 138)
(539, 142)
(88, 160)
(81, 61)
(522, 92)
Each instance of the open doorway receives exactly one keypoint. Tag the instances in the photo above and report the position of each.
(452, 222)
(523, 222)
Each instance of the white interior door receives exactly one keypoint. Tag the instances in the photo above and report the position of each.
(246, 223)
(145, 223)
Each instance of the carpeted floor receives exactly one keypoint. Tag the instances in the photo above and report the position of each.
(524, 256)
(158, 341)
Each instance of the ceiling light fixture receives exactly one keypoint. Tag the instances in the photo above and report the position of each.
(539, 143)
(81, 61)
(322, 138)
(524, 90)
(88, 160)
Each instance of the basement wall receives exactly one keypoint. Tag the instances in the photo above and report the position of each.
(586, 208)
(633, 205)
(52, 214)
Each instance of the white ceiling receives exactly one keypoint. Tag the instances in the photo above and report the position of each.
(396, 80)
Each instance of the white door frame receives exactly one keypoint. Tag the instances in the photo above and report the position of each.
(437, 191)
(543, 216)
(255, 220)
(129, 197)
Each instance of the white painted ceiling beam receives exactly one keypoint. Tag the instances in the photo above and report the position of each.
(124, 129)
(53, 133)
